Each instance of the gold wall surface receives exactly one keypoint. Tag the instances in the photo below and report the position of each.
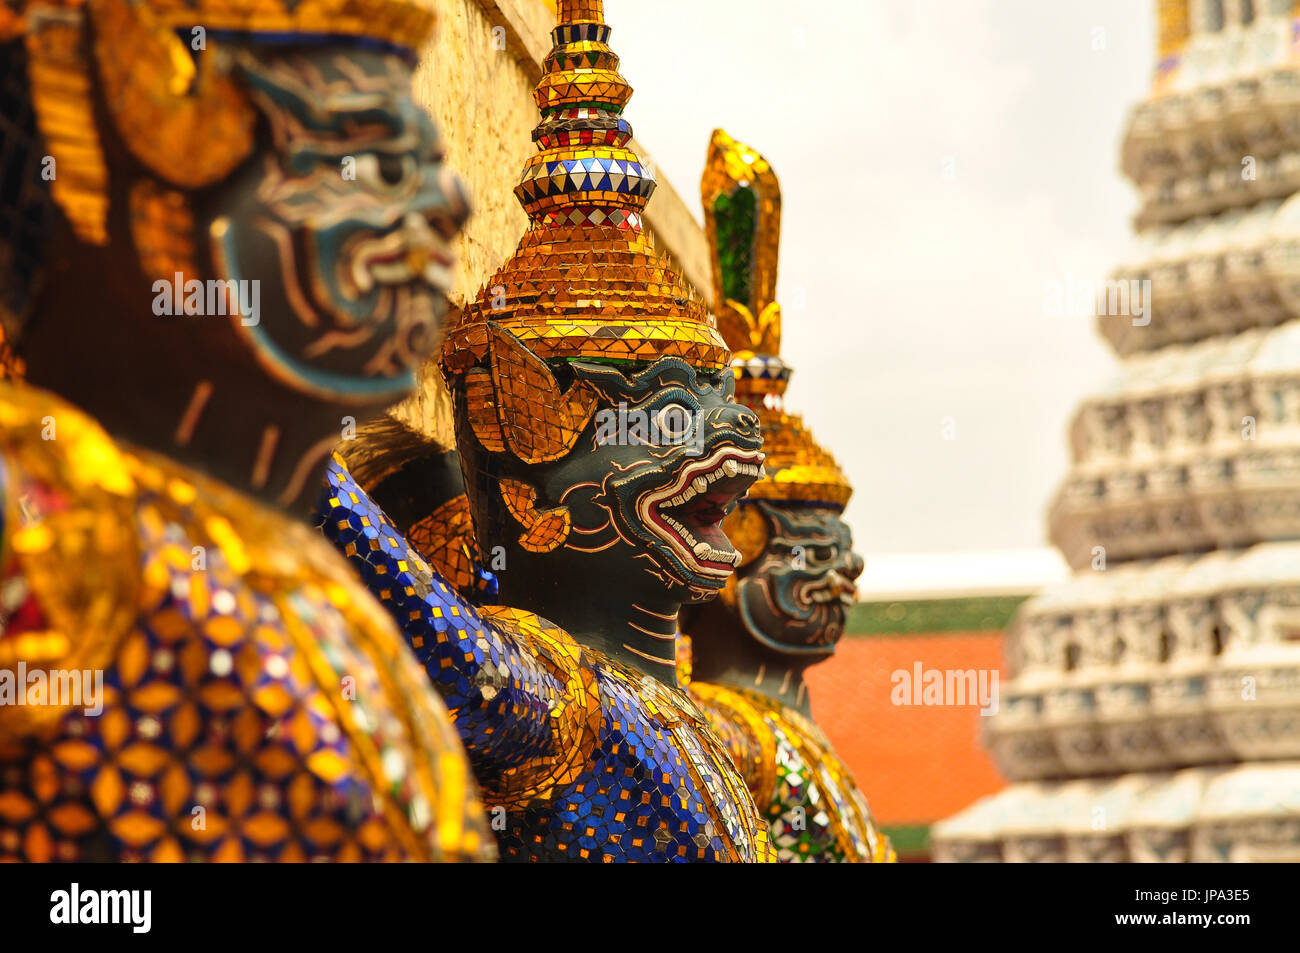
(476, 78)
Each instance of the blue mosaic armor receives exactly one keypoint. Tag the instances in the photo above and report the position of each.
(579, 757)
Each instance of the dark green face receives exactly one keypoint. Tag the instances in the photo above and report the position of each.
(665, 493)
(667, 454)
(793, 597)
(343, 220)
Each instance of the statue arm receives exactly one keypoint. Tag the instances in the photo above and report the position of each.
(514, 685)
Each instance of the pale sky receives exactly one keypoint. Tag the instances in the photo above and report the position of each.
(941, 161)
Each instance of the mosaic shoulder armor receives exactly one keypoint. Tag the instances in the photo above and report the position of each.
(816, 812)
(580, 758)
(188, 675)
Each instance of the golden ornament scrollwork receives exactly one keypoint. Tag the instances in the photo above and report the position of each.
(163, 103)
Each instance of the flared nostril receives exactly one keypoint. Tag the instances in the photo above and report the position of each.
(843, 585)
(452, 208)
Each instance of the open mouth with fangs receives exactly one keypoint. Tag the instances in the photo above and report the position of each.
(687, 513)
(414, 251)
(828, 588)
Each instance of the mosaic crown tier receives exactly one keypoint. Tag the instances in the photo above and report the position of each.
(586, 281)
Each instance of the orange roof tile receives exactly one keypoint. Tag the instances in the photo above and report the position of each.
(916, 764)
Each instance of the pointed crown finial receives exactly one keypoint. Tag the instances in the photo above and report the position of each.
(742, 218)
(586, 281)
(742, 215)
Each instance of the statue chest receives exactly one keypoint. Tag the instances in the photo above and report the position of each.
(659, 786)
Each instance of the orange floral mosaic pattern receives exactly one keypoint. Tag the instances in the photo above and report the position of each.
(446, 538)
(256, 703)
(544, 530)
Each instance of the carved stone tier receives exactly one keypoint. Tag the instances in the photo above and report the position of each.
(1225, 814)
(1193, 448)
(1252, 179)
(1164, 664)
(1153, 708)
(1250, 814)
(1233, 93)
(1215, 275)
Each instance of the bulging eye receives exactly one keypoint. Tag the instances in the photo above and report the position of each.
(674, 422)
(384, 171)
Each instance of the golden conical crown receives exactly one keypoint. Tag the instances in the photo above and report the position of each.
(586, 281)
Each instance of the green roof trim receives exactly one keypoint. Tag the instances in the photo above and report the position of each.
(909, 840)
(917, 616)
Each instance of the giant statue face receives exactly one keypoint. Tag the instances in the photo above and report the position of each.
(344, 220)
(792, 596)
(275, 202)
(637, 503)
(257, 205)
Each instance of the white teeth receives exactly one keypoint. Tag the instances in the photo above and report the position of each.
(681, 530)
(825, 594)
(702, 550)
(714, 562)
(393, 272)
(361, 274)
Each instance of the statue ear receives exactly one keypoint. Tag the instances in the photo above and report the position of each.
(63, 101)
(481, 409)
(172, 101)
(538, 422)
